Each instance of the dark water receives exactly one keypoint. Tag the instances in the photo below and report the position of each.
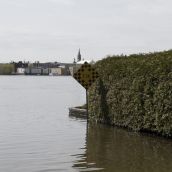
(37, 135)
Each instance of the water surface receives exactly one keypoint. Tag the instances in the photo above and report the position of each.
(37, 135)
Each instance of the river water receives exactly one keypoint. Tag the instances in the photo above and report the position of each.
(37, 135)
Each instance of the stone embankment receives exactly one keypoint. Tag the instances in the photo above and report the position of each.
(78, 112)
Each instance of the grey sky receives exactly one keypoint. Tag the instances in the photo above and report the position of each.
(53, 30)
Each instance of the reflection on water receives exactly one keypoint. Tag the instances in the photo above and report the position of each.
(117, 150)
(82, 163)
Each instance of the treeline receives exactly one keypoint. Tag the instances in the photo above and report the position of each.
(7, 69)
(135, 92)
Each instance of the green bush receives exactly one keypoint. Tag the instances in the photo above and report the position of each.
(6, 69)
(135, 92)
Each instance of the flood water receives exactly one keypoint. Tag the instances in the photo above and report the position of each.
(37, 134)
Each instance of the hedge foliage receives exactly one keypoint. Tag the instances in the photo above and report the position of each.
(6, 69)
(135, 92)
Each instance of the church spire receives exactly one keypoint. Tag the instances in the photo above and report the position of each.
(79, 56)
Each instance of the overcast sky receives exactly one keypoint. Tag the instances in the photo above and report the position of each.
(54, 30)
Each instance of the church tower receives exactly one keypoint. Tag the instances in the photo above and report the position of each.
(79, 56)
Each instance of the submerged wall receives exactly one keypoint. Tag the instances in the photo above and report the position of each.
(135, 92)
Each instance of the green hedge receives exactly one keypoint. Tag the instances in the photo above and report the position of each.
(6, 69)
(135, 92)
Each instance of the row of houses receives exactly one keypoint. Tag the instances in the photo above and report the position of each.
(43, 71)
(37, 68)
(50, 68)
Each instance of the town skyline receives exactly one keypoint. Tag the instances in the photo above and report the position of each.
(76, 59)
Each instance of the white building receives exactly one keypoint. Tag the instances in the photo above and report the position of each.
(77, 65)
(20, 71)
(83, 61)
(57, 71)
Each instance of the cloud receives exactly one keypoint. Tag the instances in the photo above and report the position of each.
(63, 2)
(99, 27)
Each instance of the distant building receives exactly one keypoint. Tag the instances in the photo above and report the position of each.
(20, 71)
(74, 61)
(45, 71)
(48, 68)
(79, 56)
(33, 71)
(76, 65)
(83, 61)
(20, 66)
(46, 65)
(41, 68)
(57, 71)
(73, 69)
